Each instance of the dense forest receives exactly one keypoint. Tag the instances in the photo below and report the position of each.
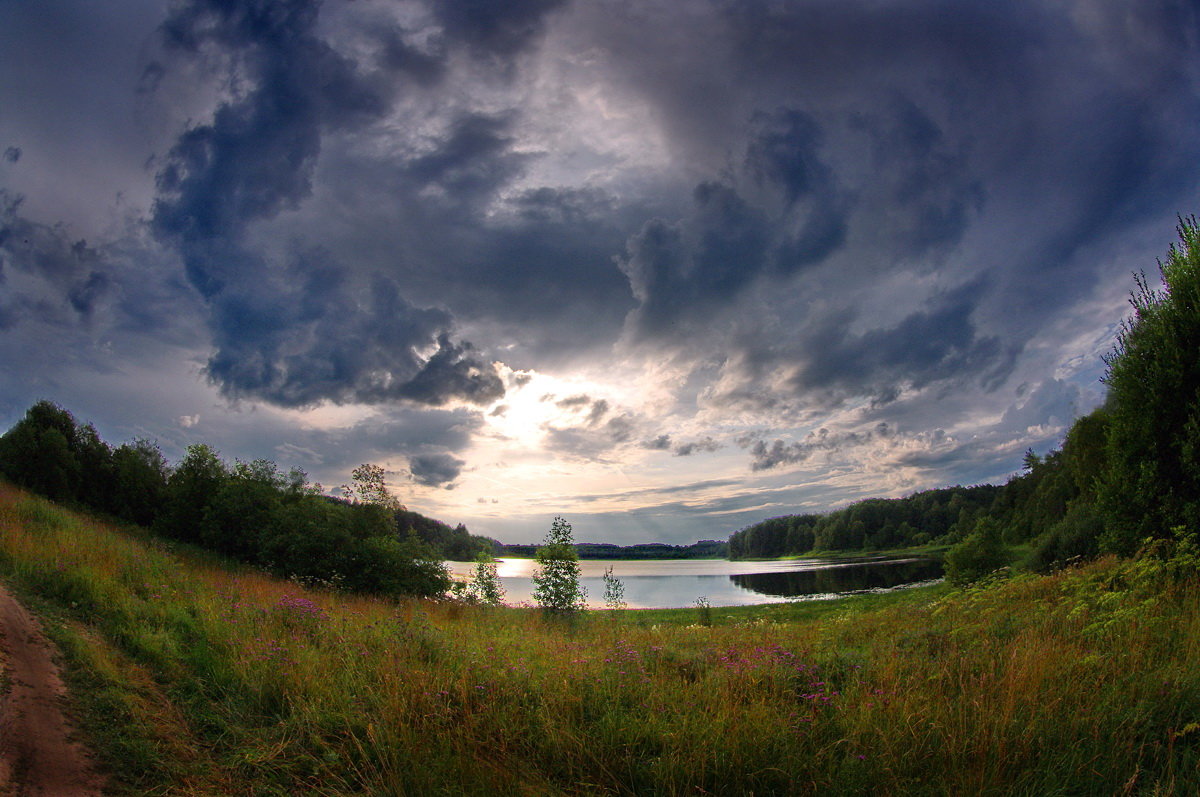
(1127, 473)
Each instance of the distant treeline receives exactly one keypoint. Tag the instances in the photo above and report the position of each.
(249, 511)
(704, 549)
(1053, 502)
(1127, 474)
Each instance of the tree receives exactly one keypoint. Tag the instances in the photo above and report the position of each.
(190, 489)
(614, 590)
(375, 507)
(370, 487)
(40, 452)
(556, 580)
(1151, 482)
(140, 472)
(485, 584)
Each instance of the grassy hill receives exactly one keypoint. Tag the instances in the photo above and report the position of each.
(198, 678)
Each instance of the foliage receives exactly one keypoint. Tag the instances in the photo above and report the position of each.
(249, 511)
(369, 486)
(614, 590)
(981, 553)
(1152, 479)
(944, 515)
(455, 543)
(1052, 505)
(485, 587)
(49, 452)
(556, 580)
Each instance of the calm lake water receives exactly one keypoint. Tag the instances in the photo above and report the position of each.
(672, 583)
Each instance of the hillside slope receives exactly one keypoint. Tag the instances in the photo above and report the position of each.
(201, 679)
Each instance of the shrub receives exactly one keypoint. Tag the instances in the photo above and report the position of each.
(981, 552)
(485, 586)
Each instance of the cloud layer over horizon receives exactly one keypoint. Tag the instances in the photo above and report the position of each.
(664, 268)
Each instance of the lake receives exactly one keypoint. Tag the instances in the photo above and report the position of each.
(673, 583)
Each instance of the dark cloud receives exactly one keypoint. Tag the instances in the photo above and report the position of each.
(306, 332)
(435, 470)
(785, 153)
(84, 294)
(706, 444)
(470, 163)
(926, 135)
(660, 443)
(45, 251)
(498, 30)
(592, 410)
(934, 344)
(321, 338)
(898, 210)
(398, 55)
(58, 273)
(765, 457)
(678, 271)
(923, 192)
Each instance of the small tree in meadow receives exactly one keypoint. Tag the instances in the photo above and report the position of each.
(614, 590)
(485, 584)
(556, 580)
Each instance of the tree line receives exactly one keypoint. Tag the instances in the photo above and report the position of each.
(703, 549)
(1127, 474)
(249, 511)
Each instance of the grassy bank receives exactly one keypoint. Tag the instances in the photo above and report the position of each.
(194, 678)
(929, 551)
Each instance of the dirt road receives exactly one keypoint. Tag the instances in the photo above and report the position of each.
(37, 753)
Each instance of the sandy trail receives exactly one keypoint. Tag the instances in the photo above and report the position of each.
(37, 754)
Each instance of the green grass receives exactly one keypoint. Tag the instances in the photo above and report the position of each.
(197, 679)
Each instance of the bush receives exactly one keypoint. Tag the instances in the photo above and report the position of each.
(485, 586)
(1072, 538)
(979, 554)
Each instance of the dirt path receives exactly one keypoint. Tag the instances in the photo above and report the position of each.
(37, 755)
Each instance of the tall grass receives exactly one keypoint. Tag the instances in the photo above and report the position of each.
(207, 680)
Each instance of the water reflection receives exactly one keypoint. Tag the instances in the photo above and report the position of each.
(858, 577)
(678, 583)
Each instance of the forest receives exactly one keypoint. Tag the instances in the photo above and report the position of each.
(366, 541)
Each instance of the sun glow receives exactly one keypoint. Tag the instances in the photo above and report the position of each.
(536, 402)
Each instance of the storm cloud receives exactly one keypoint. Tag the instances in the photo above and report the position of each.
(370, 231)
(298, 332)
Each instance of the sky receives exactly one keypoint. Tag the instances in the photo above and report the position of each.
(664, 268)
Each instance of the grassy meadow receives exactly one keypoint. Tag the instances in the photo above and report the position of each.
(195, 677)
